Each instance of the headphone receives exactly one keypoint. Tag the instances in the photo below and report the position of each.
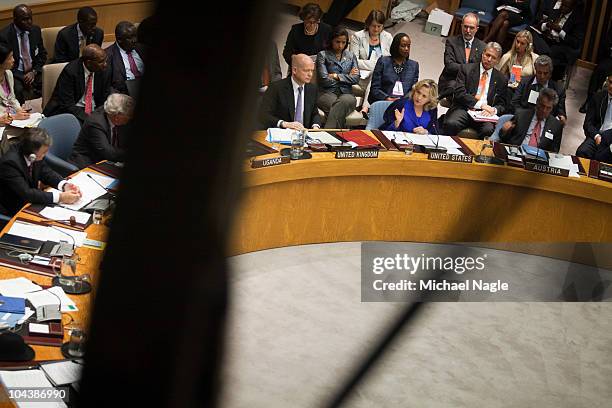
(32, 157)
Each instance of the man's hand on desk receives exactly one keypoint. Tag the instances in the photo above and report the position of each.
(69, 197)
(488, 110)
(293, 125)
(72, 188)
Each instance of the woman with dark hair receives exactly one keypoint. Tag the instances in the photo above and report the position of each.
(513, 13)
(369, 45)
(308, 37)
(9, 105)
(394, 75)
(417, 113)
(337, 72)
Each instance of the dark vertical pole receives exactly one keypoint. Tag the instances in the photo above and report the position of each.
(158, 323)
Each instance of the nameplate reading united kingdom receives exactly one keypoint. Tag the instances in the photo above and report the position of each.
(274, 161)
(461, 158)
(546, 169)
(357, 154)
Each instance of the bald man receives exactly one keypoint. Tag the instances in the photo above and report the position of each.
(25, 39)
(83, 85)
(291, 102)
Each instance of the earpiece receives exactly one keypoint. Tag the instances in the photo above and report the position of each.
(32, 157)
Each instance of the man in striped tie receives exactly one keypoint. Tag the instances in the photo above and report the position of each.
(125, 56)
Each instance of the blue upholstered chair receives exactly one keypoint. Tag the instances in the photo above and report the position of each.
(484, 9)
(376, 114)
(502, 119)
(64, 130)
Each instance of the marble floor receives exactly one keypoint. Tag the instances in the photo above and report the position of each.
(297, 327)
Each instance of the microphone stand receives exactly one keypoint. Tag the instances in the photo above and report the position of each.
(73, 285)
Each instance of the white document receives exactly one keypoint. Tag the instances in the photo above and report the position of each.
(479, 117)
(278, 135)
(398, 89)
(442, 18)
(90, 190)
(17, 287)
(42, 298)
(44, 233)
(39, 328)
(61, 214)
(323, 137)
(63, 372)
(29, 379)
(31, 122)
(561, 161)
(446, 141)
(398, 137)
(533, 97)
(67, 305)
(100, 178)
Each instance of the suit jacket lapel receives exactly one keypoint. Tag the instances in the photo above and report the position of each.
(15, 44)
(118, 61)
(80, 79)
(290, 98)
(492, 88)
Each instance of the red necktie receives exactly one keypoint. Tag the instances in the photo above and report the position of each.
(533, 141)
(133, 66)
(88, 95)
(481, 85)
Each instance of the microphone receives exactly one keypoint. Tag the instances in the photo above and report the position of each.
(437, 148)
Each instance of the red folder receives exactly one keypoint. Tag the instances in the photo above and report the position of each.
(362, 139)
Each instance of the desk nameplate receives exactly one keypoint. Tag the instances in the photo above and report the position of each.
(357, 154)
(546, 169)
(461, 158)
(273, 161)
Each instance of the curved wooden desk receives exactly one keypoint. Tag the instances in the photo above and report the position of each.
(409, 198)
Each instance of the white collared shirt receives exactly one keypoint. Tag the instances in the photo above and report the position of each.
(535, 82)
(532, 125)
(485, 92)
(126, 63)
(81, 102)
(60, 186)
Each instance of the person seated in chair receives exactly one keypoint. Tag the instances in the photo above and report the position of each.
(72, 39)
(535, 127)
(102, 136)
(22, 169)
(338, 71)
(125, 57)
(83, 85)
(479, 87)
(25, 39)
(460, 50)
(291, 102)
(417, 113)
(604, 150)
(598, 120)
(527, 92)
(519, 12)
(10, 108)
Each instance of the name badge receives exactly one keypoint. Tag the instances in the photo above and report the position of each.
(398, 89)
(548, 135)
(533, 96)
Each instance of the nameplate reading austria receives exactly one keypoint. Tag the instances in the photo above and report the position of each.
(543, 168)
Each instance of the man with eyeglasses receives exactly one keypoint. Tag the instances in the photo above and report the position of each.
(462, 49)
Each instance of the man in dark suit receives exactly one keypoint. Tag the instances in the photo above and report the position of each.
(604, 150)
(291, 102)
(604, 65)
(102, 136)
(125, 57)
(460, 50)
(529, 88)
(23, 168)
(562, 33)
(29, 53)
(598, 120)
(83, 85)
(72, 39)
(479, 87)
(535, 127)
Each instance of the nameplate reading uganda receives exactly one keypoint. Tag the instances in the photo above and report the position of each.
(544, 168)
(450, 157)
(274, 161)
(357, 154)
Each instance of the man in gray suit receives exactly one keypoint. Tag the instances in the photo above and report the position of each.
(462, 49)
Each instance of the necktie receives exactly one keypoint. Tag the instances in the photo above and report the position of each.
(133, 66)
(265, 76)
(467, 51)
(481, 85)
(299, 114)
(25, 54)
(89, 94)
(114, 139)
(537, 129)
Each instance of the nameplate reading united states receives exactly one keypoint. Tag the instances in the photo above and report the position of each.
(462, 158)
(357, 154)
(543, 168)
(274, 161)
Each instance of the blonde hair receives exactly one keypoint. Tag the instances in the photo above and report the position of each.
(525, 34)
(433, 92)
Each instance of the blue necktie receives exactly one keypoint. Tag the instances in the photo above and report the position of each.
(299, 111)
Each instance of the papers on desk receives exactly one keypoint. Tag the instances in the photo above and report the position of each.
(509, 8)
(45, 233)
(63, 372)
(89, 189)
(479, 117)
(17, 287)
(53, 296)
(561, 161)
(61, 214)
(278, 135)
(31, 122)
(29, 379)
(323, 137)
(447, 142)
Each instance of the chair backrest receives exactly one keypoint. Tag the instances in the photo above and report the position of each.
(63, 129)
(376, 114)
(49, 78)
(49, 35)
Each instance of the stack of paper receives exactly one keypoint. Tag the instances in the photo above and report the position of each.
(479, 117)
(17, 287)
(277, 135)
(61, 214)
(322, 137)
(561, 161)
(44, 233)
(89, 188)
(29, 379)
(31, 122)
(63, 372)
